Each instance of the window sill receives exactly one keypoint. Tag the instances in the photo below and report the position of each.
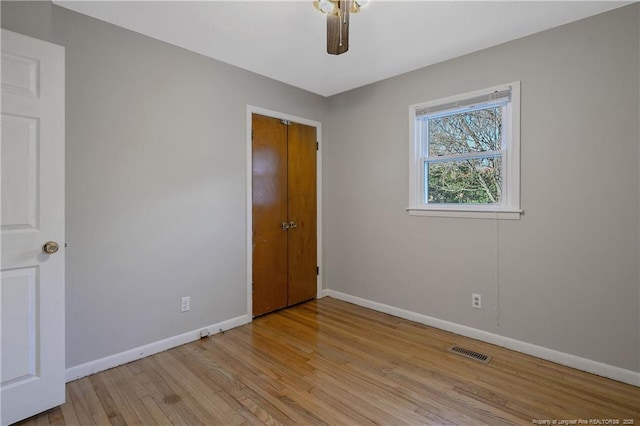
(465, 213)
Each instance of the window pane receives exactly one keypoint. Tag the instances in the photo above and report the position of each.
(471, 131)
(473, 181)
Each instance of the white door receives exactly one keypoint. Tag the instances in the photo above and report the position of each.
(32, 281)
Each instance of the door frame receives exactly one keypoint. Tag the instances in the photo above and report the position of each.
(251, 109)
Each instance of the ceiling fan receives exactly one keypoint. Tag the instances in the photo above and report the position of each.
(338, 12)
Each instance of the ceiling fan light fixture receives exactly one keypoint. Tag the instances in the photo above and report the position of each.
(338, 12)
(326, 6)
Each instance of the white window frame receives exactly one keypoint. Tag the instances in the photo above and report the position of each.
(509, 208)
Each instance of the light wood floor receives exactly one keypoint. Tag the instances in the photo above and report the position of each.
(329, 362)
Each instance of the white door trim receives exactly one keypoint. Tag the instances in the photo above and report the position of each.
(249, 240)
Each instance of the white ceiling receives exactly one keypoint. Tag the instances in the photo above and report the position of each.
(286, 40)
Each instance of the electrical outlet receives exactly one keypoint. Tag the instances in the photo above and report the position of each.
(476, 301)
(186, 304)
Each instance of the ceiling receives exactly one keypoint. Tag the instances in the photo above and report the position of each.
(286, 40)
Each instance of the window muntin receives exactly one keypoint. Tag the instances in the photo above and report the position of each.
(465, 153)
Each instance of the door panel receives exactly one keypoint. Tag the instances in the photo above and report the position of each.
(32, 282)
(19, 172)
(19, 328)
(302, 210)
(269, 210)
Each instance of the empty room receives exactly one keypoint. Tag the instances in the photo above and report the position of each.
(333, 212)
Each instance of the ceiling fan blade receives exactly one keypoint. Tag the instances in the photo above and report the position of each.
(338, 29)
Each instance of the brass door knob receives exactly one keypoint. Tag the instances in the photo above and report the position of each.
(50, 247)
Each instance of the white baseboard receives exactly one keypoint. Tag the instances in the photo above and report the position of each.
(590, 366)
(86, 369)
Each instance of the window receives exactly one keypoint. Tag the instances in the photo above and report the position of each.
(465, 155)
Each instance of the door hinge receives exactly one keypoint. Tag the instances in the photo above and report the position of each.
(252, 135)
(317, 270)
(286, 122)
(317, 146)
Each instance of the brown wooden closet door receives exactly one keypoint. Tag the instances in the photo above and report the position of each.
(302, 211)
(270, 274)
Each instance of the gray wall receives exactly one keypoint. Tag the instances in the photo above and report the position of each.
(156, 154)
(564, 276)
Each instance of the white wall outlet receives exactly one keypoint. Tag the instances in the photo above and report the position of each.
(186, 304)
(476, 301)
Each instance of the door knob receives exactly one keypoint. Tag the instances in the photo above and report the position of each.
(293, 225)
(285, 226)
(50, 247)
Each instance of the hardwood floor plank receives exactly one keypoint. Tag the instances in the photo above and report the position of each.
(202, 396)
(171, 396)
(88, 406)
(41, 420)
(56, 418)
(69, 416)
(156, 412)
(328, 362)
(369, 358)
(218, 379)
(132, 409)
(310, 406)
(104, 396)
(265, 387)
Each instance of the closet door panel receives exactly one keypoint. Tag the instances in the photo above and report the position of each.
(270, 260)
(302, 253)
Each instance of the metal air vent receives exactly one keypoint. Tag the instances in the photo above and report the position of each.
(470, 354)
